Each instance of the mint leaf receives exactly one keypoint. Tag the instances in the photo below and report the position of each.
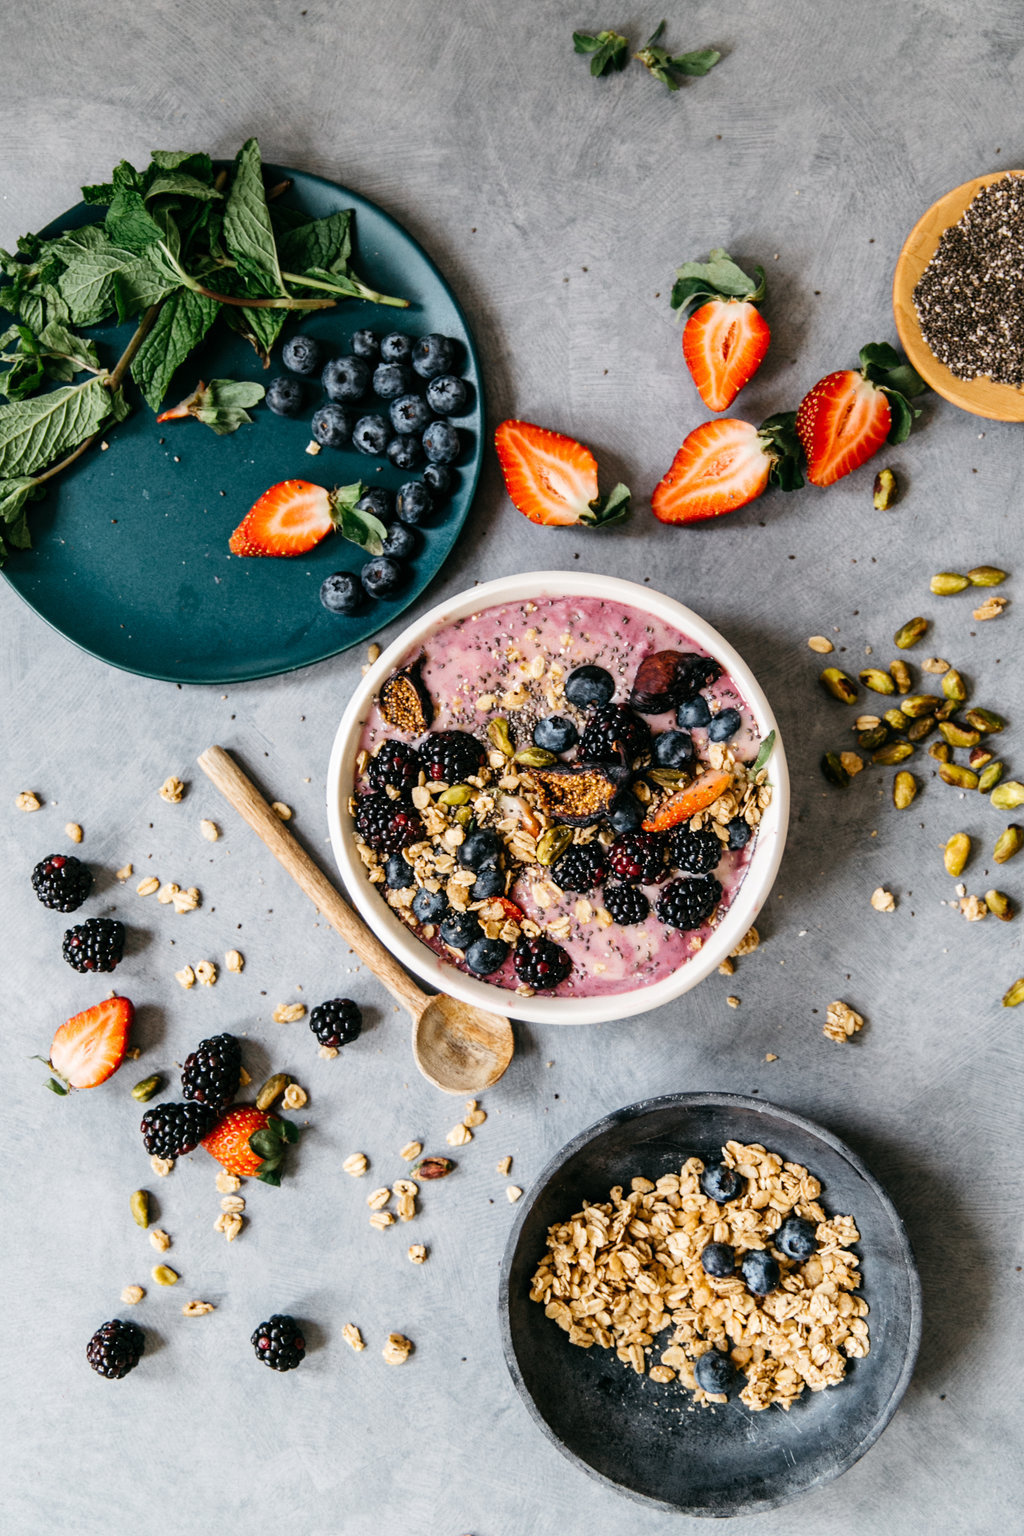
(324, 243)
(264, 327)
(183, 321)
(141, 283)
(358, 526)
(35, 432)
(199, 165)
(62, 346)
(15, 496)
(764, 753)
(248, 234)
(180, 184)
(86, 284)
(129, 222)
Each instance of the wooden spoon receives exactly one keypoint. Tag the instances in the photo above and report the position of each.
(461, 1049)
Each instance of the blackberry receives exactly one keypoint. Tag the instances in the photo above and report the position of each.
(581, 867)
(696, 852)
(279, 1343)
(95, 945)
(171, 1130)
(451, 756)
(689, 903)
(397, 764)
(387, 824)
(212, 1073)
(626, 903)
(115, 1349)
(62, 882)
(614, 732)
(336, 1022)
(541, 963)
(638, 857)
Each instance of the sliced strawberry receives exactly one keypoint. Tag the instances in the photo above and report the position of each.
(292, 517)
(90, 1047)
(704, 791)
(724, 464)
(251, 1143)
(553, 479)
(724, 343)
(849, 414)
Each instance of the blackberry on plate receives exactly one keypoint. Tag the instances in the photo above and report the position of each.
(385, 824)
(555, 734)
(441, 443)
(414, 503)
(345, 379)
(171, 1130)
(626, 814)
(797, 1238)
(451, 756)
(540, 963)
(739, 833)
(613, 732)
(480, 849)
(410, 413)
(371, 434)
(62, 882)
(715, 1372)
(718, 1259)
(382, 576)
(429, 906)
(284, 396)
(433, 355)
(485, 956)
(673, 749)
(447, 395)
(279, 1343)
(213, 1071)
(95, 945)
(341, 592)
(460, 929)
(365, 344)
(398, 873)
(396, 348)
(626, 903)
(639, 857)
(761, 1273)
(115, 1349)
(722, 1183)
(331, 426)
(438, 478)
(401, 542)
(693, 714)
(580, 868)
(724, 725)
(391, 380)
(696, 852)
(490, 881)
(379, 501)
(336, 1022)
(405, 453)
(394, 763)
(589, 685)
(302, 354)
(689, 903)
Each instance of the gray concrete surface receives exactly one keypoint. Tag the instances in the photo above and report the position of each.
(559, 207)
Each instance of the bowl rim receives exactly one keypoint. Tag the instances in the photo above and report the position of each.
(539, 1009)
(689, 1101)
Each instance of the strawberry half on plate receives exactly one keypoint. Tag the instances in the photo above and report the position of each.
(849, 414)
(553, 479)
(90, 1047)
(725, 338)
(726, 463)
(293, 516)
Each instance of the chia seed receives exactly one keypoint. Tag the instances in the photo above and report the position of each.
(970, 297)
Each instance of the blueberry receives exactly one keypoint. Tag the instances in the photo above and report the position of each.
(480, 849)
(459, 929)
(378, 501)
(400, 543)
(718, 1259)
(429, 906)
(627, 814)
(365, 344)
(414, 504)
(485, 956)
(405, 453)
(397, 873)
(371, 434)
(797, 1238)
(341, 593)
(382, 576)
(555, 734)
(433, 355)
(284, 396)
(409, 413)
(303, 354)
(396, 348)
(332, 426)
(760, 1271)
(673, 749)
(715, 1372)
(447, 395)
(345, 379)
(739, 832)
(438, 478)
(720, 1182)
(589, 685)
(489, 882)
(441, 443)
(725, 724)
(694, 713)
(391, 380)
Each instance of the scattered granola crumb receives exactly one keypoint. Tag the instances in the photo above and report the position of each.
(852, 762)
(160, 1239)
(244, 1077)
(161, 1166)
(381, 1220)
(209, 830)
(124, 873)
(459, 1135)
(513, 1193)
(230, 1223)
(234, 1205)
(294, 1096)
(727, 967)
(167, 892)
(883, 900)
(147, 886)
(821, 644)
(186, 977)
(186, 901)
(227, 1183)
(206, 973)
(312, 448)
(505, 1166)
(355, 1164)
(417, 1254)
(196, 1308)
(377, 1199)
(973, 908)
(73, 831)
(171, 790)
(289, 1013)
(234, 961)
(935, 664)
(733, 1002)
(771, 1056)
(353, 1338)
(474, 1118)
(281, 811)
(373, 653)
(132, 1295)
(749, 942)
(991, 608)
(397, 1349)
(841, 1022)
(411, 1151)
(328, 1052)
(27, 801)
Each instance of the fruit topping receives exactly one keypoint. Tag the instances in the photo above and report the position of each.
(553, 479)
(395, 763)
(704, 791)
(724, 464)
(581, 868)
(669, 678)
(251, 1143)
(724, 725)
(338, 1021)
(292, 517)
(674, 749)
(485, 956)
(212, 1072)
(698, 853)
(589, 685)
(284, 396)
(693, 714)
(540, 963)
(689, 903)
(451, 756)
(718, 1259)
(626, 903)
(480, 849)
(95, 945)
(62, 882)
(89, 1047)
(576, 794)
(614, 734)
(459, 930)
(725, 338)
(429, 906)
(403, 700)
(797, 1238)
(115, 1349)
(554, 733)
(849, 414)
(722, 1183)
(341, 592)
(171, 1130)
(302, 354)
(279, 1343)
(638, 856)
(385, 824)
(760, 1271)
(716, 1373)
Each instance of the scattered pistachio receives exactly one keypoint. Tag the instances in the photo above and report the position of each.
(272, 1089)
(499, 737)
(896, 719)
(281, 811)
(464, 815)
(941, 751)
(1007, 797)
(874, 738)
(1015, 994)
(841, 687)
(877, 680)
(979, 756)
(833, 770)
(145, 1090)
(956, 854)
(896, 752)
(935, 664)
(918, 729)
(953, 686)
(1008, 844)
(667, 778)
(886, 490)
(910, 633)
(552, 844)
(948, 582)
(958, 735)
(904, 789)
(1000, 905)
(947, 710)
(986, 721)
(534, 757)
(433, 1168)
(986, 576)
(917, 704)
(139, 1203)
(900, 673)
(163, 1274)
(459, 794)
(957, 775)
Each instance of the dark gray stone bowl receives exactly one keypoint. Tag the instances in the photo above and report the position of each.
(648, 1441)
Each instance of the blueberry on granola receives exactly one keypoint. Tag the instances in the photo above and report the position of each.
(638, 856)
(429, 906)
(715, 1372)
(555, 734)
(760, 1272)
(689, 903)
(459, 929)
(626, 903)
(722, 1183)
(480, 849)
(395, 763)
(698, 853)
(718, 1259)
(490, 881)
(589, 685)
(797, 1238)
(739, 832)
(485, 956)
(451, 756)
(398, 873)
(540, 963)
(581, 868)
(613, 734)
(385, 824)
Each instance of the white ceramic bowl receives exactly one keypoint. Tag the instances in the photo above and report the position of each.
(421, 960)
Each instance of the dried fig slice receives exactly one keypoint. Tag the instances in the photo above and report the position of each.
(667, 678)
(576, 794)
(403, 700)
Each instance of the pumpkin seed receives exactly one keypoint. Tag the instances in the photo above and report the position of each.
(956, 735)
(886, 490)
(990, 777)
(900, 673)
(163, 1274)
(498, 736)
(895, 752)
(910, 633)
(552, 844)
(1015, 994)
(832, 768)
(534, 757)
(841, 687)
(986, 721)
(459, 794)
(956, 854)
(941, 751)
(896, 719)
(917, 704)
(139, 1203)
(904, 789)
(917, 730)
(1007, 797)
(1000, 905)
(870, 740)
(145, 1090)
(953, 686)
(1008, 843)
(877, 680)
(962, 778)
(272, 1089)
(948, 582)
(986, 576)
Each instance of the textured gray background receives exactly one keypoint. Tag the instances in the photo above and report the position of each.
(558, 206)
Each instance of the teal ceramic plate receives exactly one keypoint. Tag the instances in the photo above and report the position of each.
(130, 559)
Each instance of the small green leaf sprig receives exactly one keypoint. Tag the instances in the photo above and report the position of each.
(609, 51)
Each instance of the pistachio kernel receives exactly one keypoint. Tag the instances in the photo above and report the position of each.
(534, 757)
(896, 719)
(953, 686)
(1007, 797)
(910, 633)
(956, 854)
(986, 721)
(958, 735)
(948, 582)
(941, 751)
(163, 1274)
(145, 1090)
(272, 1089)
(1000, 905)
(833, 770)
(990, 776)
(904, 790)
(433, 1168)
(918, 729)
(979, 756)
(139, 1204)
(464, 815)
(900, 673)
(960, 777)
(1014, 994)
(841, 687)
(458, 794)
(877, 680)
(871, 740)
(1008, 844)
(895, 752)
(947, 710)
(986, 576)
(917, 704)
(499, 737)
(885, 490)
(552, 844)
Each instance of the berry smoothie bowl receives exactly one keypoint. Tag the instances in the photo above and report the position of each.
(559, 796)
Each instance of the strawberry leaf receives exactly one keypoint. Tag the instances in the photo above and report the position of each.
(219, 404)
(608, 50)
(901, 416)
(610, 509)
(717, 278)
(781, 441)
(355, 523)
(270, 1176)
(664, 67)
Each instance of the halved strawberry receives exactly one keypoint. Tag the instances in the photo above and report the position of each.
(553, 479)
(293, 516)
(849, 414)
(704, 791)
(724, 464)
(725, 338)
(90, 1047)
(251, 1143)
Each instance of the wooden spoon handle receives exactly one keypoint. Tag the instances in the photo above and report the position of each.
(241, 792)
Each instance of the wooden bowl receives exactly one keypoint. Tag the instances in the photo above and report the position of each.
(1000, 402)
